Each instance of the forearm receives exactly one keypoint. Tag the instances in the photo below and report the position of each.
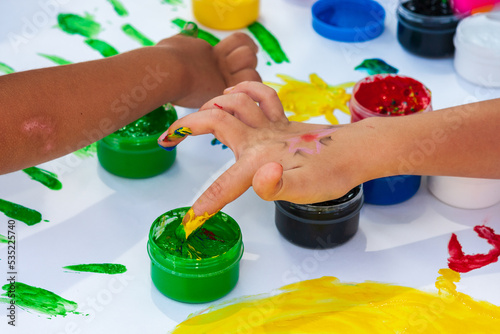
(458, 141)
(50, 112)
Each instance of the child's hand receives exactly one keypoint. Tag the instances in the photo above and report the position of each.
(209, 70)
(283, 160)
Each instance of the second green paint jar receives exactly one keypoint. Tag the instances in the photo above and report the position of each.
(203, 268)
(133, 151)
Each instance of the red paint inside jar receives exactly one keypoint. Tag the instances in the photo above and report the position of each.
(393, 95)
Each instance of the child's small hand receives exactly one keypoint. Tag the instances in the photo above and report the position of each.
(283, 160)
(208, 70)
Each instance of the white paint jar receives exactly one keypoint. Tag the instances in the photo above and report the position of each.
(465, 193)
(477, 49)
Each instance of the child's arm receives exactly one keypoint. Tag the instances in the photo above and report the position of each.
(49, 112)
(307, 163)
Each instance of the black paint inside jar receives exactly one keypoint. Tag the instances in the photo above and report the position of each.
(426, 30)
(320, 225)
(429, 7)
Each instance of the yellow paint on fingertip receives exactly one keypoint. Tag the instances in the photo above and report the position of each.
(194, 222)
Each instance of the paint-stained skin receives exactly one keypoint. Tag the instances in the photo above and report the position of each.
(310, 143)
(41, 132)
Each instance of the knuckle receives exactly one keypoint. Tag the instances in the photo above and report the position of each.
(214, 192)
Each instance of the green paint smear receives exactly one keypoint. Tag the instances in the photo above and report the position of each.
(268, 42)
(202, 34)
(136, 35)
(45, 177)
(3, 239)
(76, 24)
(99, 268)
(55, 59)
(172, 2)
(19, 212)
(87, 151)
(153, 123)
(102, 47)
(376, 66)
(212, 239)
(6, 68)
(118, 7)
(39, 300)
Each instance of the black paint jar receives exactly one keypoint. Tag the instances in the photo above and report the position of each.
(320, 225)
(426, 34)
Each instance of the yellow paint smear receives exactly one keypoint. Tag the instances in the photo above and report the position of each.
(194, 222)
(326, 305)
(312, 99)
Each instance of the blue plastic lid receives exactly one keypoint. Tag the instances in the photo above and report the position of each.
(348, 20)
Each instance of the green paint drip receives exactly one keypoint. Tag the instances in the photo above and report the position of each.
(76, 24)
(136, 35)
(3, 239)
(39, 300)
(87, 151)
(102, 47)
(202, 34)
(6, 68)
(118, 7)
(99, 268)
(55, 59)
(19, 212)
(268, 42)
(376, 66)
(172, 2)
(153, 123)
(45, 177)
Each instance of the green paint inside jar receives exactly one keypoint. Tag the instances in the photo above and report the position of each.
(201, 269)
(133, 150)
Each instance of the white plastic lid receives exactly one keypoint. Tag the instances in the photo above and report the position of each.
(482, 32)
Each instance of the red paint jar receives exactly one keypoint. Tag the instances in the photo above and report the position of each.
(388, 95)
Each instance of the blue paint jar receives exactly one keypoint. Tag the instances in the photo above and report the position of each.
(424, 32)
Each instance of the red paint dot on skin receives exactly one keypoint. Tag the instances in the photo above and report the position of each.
(218, 106)
(308, 137)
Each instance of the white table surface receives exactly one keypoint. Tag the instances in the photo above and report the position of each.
(98, 217)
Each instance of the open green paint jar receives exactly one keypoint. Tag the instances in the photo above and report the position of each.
(203, 268)
(133, 150)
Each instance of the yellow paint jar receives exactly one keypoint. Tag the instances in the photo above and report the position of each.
(226, 14)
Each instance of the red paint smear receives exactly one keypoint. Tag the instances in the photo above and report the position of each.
(218, 106)
(462, 263)
(308, 137)
(393, 95)
(209, 234)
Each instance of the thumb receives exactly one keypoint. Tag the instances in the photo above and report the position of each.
(268, 181)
